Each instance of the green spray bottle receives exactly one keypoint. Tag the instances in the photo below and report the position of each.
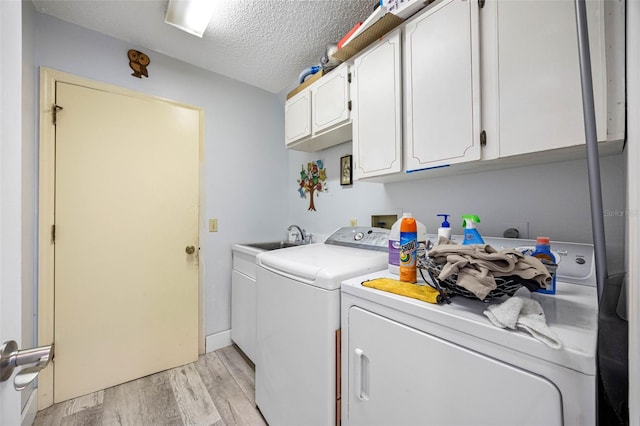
(471, 234)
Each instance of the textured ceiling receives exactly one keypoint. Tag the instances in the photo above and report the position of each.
(265, 43)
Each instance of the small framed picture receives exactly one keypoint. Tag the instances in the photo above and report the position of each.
(345, 170)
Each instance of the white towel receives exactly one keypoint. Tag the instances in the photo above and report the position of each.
(522, 312)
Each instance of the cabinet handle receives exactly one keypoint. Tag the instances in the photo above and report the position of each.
(362, 375)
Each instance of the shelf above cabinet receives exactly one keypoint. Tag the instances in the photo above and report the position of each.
(384, 25)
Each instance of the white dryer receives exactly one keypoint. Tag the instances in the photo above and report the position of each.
(298, 315)
(406, 362)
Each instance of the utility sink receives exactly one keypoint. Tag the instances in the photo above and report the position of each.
(274, 245)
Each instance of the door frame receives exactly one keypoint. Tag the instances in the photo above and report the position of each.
(46, 210)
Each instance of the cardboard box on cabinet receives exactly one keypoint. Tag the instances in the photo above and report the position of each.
(315, 77)
(384, 25)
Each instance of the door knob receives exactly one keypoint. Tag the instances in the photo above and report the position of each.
(11, 357)
(190, 249)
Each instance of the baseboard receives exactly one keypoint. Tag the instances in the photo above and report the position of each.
(28, 415)
(218, 341)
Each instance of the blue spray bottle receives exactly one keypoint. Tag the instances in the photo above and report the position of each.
(471, 234)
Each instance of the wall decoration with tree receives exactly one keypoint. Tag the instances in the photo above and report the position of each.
(312, 181)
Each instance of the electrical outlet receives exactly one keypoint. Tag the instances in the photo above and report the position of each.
(213, 225)
(521, 227)
(353, 222)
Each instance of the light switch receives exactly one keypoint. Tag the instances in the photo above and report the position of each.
(213, 225)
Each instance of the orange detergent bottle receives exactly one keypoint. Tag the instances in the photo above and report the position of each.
(408, 248)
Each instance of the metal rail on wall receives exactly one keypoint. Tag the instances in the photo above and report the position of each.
(612, 397)
(593, 157)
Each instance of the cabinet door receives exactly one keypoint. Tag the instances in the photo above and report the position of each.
(377, 110)
(243, 313)
(297, 117)
(330, 100)
(442, 86)
(401, 376)
(540, 98)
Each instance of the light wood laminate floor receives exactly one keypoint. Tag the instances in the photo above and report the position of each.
(218, 389)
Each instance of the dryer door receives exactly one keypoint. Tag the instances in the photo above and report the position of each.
(399, 375)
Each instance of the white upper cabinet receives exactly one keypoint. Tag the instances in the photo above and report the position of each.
(297, 117)
(320, 115)
(377, 109)
(537, 94)
(442, 86)
(457, 83)
(330, 100)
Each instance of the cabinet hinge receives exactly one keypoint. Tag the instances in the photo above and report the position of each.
(349, 77)
(481, 3)
(55, 108)
(53, 234)
(349, 105)
(483, 138)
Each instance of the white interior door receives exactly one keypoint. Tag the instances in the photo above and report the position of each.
(10, 252)
(126, 212)
(10, 195)
(10, 321)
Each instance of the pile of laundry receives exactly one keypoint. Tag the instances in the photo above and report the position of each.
(477, 266)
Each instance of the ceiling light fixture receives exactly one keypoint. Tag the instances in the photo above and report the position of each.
(191, 16)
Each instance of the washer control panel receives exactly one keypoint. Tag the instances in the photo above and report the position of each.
(363, 237)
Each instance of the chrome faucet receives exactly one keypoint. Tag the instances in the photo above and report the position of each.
(301, 237)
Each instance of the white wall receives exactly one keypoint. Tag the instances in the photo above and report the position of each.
(245, 163)
(553, 198)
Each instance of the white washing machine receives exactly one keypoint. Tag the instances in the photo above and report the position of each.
(406, 362)
(298, 314)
